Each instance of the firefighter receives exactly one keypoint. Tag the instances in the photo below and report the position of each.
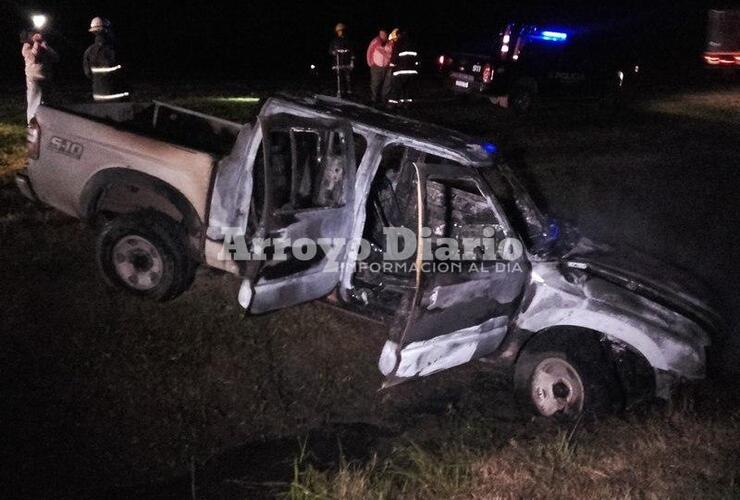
(38, 58)
(403, 69)
(378, 58)
(101, 64)
(343, 60)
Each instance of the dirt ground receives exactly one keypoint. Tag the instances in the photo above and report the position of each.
(105, 395)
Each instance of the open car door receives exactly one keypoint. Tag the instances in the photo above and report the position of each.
(302, 198)
(469, 276)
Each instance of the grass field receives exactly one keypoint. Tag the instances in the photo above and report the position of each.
(12, 138)
(105, 395)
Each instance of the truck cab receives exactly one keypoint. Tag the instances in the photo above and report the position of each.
(430, 233)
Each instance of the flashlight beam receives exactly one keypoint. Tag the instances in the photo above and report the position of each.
(39, 21)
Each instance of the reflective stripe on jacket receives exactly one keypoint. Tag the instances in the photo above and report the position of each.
(405, 59)
(341, 52)
(101, 66)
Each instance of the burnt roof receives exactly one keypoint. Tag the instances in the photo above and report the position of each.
(392, 125)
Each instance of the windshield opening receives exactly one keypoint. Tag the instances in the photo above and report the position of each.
(526, 218)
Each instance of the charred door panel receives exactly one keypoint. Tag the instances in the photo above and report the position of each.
(468, 281)
(303, 198)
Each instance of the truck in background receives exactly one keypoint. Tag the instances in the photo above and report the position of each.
(530, 62)
(723, 40)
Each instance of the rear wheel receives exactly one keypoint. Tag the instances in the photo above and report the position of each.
(522, 98)
(564, 376)
(613, 93)
(145, 254)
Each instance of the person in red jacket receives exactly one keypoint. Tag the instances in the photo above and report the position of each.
(379, 58)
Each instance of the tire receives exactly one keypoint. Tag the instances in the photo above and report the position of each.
(612, 99)
(521, 99)
(566, 376)
(145, 255)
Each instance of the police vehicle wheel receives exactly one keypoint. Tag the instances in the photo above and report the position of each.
(521, 99)
(613, 98)
(564, 377)
(145, 255)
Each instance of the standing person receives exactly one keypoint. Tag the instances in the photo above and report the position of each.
(343, 60)
(404, 68)
(100, 64)
(379, 58)
(39, 58)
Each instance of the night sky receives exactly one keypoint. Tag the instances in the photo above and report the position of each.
(167, 40)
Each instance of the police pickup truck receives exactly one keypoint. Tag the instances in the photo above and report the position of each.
(418, 227)
(530, 62)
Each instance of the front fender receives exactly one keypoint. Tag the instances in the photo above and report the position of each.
(669, 341)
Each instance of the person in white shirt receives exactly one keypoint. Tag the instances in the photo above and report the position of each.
(39, 58)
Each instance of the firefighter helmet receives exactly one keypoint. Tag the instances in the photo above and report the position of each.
(99, 24)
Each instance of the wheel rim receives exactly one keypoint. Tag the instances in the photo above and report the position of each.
(557, 388)
(137, 263)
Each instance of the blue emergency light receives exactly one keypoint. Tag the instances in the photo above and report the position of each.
(490, 148)
(551, 36)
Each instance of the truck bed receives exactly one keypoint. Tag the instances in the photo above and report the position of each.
(164, 122)
(81, 147)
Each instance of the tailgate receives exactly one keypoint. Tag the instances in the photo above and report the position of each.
(467, 72)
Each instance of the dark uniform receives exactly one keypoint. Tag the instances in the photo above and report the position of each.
(404, 71)
(100, 64)
(343, 62)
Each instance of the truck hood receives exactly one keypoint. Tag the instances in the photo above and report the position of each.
(649, 277)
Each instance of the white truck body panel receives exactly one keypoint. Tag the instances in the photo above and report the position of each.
(58, 176)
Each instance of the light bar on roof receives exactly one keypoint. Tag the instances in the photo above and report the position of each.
(555, 36)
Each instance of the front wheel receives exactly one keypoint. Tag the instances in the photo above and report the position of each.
(566, 377)
(144, 255)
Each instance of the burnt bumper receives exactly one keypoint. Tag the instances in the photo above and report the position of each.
(24, 185)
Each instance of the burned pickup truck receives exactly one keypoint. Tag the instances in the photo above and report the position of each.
(413, 225)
